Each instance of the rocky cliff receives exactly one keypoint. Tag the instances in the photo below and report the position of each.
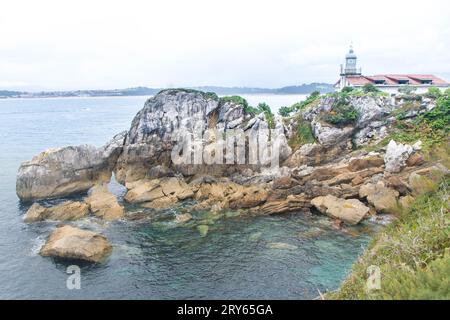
(341, 162)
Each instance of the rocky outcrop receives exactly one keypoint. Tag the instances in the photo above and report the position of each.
(381, 197)
(64, 171)
(104, 204)
(73, 243)
(69, 210)
(351, 211)
(397, 155)
(292, 203)
(158, 193)
(176, 122)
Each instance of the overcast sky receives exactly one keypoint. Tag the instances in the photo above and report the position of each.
(116, 44)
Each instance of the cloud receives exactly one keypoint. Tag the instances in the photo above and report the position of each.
(112, 44)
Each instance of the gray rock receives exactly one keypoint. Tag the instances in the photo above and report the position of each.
(396, 156)
(63, 171)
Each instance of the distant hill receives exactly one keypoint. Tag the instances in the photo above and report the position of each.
(144, 91)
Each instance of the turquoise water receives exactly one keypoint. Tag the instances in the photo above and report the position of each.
(153, 258)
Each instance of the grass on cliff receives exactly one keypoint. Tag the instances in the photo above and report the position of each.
(431, 127)
(412, 254)
(286, 111)
(301, 133)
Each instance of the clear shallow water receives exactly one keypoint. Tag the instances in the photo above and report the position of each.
(155, 260)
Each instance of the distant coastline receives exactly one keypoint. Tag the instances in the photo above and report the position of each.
(142, 91)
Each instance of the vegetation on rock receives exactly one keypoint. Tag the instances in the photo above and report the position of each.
(285, 111)
(412, 254)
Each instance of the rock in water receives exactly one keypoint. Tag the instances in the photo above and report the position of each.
(349, 210)
(69, 210)
(63, 171)
(103, 203)
(73, 243)
(203, 230)
(281, 246)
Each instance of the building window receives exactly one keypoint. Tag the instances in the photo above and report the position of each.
(403, 81)
(428, 81)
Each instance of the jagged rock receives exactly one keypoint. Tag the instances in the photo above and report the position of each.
(183, 217)
(248, 198)
(104, 204)
(348, 210)
(282, 183)
(172, 116)
(415, 159)
(143, 191)
(63, 171)
(69, 210)
(329, 136)
(382, 198)
(293, 203)
(365, 163)
(161, 203)
(398, 184)
(73, 243)
(396, 156)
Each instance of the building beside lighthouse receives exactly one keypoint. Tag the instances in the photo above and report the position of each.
(351, 76)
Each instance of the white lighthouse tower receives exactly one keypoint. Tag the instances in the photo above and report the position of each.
(350, 69)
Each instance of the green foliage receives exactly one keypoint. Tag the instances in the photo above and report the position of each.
(264, 107)
(302, 134)
(412, 254)
(431, 127)
(433, 93)
(341, 114)
(347, 89)
(207, 95)
(285, 111)
(439, 117)
(369, 87)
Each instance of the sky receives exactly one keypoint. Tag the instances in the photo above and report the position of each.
(68, 45)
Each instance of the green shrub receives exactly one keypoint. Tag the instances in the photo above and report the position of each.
(369, 87)
(264, 107)
(285, 111)
(433, 92)
(302, 134)
(342, 114)
(347, 89)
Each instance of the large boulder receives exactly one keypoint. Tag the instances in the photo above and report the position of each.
(64, 171)
(73, 243)
(397, 154)
(381, 197)
(351, 211)
(69, 210)
(103, 203)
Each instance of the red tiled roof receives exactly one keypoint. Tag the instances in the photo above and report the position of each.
(393, 79)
